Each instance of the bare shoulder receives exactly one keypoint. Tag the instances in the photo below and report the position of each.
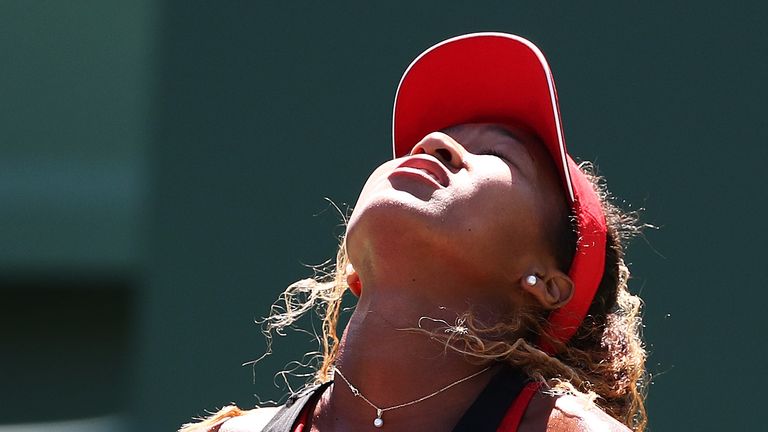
(568, 413)
(251, 421)
(576, 414)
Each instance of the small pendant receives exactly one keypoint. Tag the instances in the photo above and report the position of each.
(378, 422)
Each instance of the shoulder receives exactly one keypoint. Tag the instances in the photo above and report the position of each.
(572, 413)
(254, 420)
(568, 413)
(233, 419)
(250, 421)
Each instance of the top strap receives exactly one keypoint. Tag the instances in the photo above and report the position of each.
(491, 406)
(515, 413)
(286, 417)
(499, 407)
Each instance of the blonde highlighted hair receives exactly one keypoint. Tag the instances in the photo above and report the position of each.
(604, 361)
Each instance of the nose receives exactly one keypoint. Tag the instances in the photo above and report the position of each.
(443, 147)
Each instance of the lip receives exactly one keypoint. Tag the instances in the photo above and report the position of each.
(425, 166)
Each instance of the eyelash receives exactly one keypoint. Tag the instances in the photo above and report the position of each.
(491, 152)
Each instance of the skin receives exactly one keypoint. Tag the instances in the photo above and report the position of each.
(430, 248)
(489, 226)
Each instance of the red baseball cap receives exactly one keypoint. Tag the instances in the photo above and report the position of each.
(499, 77)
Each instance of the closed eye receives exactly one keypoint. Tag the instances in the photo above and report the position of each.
(492, 152)
(500, 155)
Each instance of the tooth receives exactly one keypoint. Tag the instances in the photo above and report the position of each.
(431, 175)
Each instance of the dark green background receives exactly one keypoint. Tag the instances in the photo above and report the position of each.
(163, 168)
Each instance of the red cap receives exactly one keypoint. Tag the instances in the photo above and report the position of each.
(495, 77)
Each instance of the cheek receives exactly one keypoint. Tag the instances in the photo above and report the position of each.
(500, 217)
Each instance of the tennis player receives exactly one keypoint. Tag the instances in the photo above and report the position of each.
(488, 265)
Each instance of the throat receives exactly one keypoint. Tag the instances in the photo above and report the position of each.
(397, 379)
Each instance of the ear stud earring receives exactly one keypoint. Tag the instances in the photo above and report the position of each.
(531, 280)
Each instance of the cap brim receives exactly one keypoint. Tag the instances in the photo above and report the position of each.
(497, 77)
(479, 77)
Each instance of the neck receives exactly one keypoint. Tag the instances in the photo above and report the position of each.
(391, 366)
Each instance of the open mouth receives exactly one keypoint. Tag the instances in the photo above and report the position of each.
(426, 166)
(434, 177)
(420, 173)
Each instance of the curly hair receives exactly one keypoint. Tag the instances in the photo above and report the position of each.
(603, 362)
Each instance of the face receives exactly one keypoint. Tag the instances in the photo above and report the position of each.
(478, 201)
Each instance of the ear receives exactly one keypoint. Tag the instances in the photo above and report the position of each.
(353, 280)
(552, 291)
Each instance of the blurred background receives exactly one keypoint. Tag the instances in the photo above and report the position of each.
(164, 168)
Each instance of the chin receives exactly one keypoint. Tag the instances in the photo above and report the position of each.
(392, 209)
(399, 197)
(391, 219)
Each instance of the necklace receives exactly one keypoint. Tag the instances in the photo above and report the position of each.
(378, 421)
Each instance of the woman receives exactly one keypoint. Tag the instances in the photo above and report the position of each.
(488, 265)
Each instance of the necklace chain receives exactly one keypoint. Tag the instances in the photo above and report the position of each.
(378, 422)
